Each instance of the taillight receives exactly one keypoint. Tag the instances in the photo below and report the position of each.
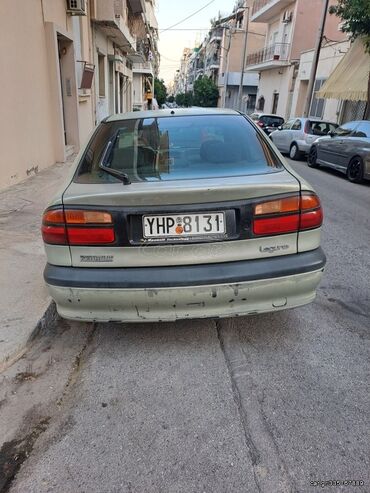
(287, 215)
(77, 227)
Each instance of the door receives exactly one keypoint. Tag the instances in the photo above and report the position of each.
(279, 137)
(332, 151)
(275, 103)
(295, 134)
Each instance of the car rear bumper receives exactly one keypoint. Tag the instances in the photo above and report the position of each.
(304, 146)
(171, 293)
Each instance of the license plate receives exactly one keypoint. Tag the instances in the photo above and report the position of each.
(180, 226)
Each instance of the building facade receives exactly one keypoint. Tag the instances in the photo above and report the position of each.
(237, 32)
(69, 64)
(292, 28)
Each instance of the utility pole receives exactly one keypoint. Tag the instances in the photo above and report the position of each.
(240, 93)
(315, 59)
(226, 72)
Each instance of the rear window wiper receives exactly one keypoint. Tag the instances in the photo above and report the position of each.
(111, 171)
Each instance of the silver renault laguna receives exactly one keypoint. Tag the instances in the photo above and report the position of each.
(177, 214)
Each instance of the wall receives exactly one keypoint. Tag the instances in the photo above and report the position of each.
(276, 81)
(25, 92)
(330, 56)
(33, 35)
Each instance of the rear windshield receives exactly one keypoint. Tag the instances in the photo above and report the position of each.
(174, 148)
(321, 128)
(273, 121)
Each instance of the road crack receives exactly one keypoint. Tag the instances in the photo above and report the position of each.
(252, 449)
(269, 469)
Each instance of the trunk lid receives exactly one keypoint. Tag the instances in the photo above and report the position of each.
(128, 203)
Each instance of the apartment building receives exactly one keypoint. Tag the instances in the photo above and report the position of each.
(292, 28)
(238, 30)
(69, 64)
(183, 75)
(146, 59)
(328, 109)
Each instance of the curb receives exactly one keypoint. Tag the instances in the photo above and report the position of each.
(48, 320)
(42, 328)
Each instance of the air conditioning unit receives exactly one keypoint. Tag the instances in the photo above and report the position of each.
(287, 17)
(76, 7)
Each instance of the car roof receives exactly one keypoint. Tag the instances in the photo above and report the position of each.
(268, 114)
(313, 119)
(171, 112)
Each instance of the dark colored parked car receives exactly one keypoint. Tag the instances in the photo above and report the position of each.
(268, 123)
(347, 149)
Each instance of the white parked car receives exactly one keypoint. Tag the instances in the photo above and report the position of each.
(297, 135)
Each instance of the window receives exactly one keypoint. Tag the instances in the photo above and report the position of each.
(317, 105)
(184, 147)
(345, 129)
(101, 66)
(297, 125)
(363, 130)
(288, 125)
(321, 128)
(272, 121)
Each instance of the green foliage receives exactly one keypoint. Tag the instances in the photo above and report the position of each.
(171, 99)
(356, 18)
(205, 92)
(184, 99)
(160, 91)
(180, 99)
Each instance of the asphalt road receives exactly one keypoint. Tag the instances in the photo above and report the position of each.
(258, 404)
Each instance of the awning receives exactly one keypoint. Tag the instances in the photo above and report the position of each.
(349, 80)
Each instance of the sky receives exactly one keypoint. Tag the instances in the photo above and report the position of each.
(172, 42)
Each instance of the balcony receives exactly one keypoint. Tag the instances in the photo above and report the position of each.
(137, 6)
(216, 35)
(142, 68)
(273, 56)
(265, 10)
(108, 17)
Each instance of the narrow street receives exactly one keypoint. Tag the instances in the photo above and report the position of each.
(266, 403)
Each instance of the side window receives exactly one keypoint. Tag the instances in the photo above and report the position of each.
(288, 125)
(346, 129)
(297, 125)
(363, 130)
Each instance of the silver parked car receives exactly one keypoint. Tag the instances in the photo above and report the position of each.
(347, 149)
(297, 135)
(176, 214)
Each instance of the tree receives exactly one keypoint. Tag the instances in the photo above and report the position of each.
(160, 91)
(184, 99)
(180, 99)
(356, 18)
(205, 92)
(356, 21)
(171, 99)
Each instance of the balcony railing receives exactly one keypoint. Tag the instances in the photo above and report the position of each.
(275, 52)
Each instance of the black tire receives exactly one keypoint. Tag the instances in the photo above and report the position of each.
(355, 170)
(294, 152)
(312, 158)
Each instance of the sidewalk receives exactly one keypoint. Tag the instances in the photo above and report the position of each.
(23, 297)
